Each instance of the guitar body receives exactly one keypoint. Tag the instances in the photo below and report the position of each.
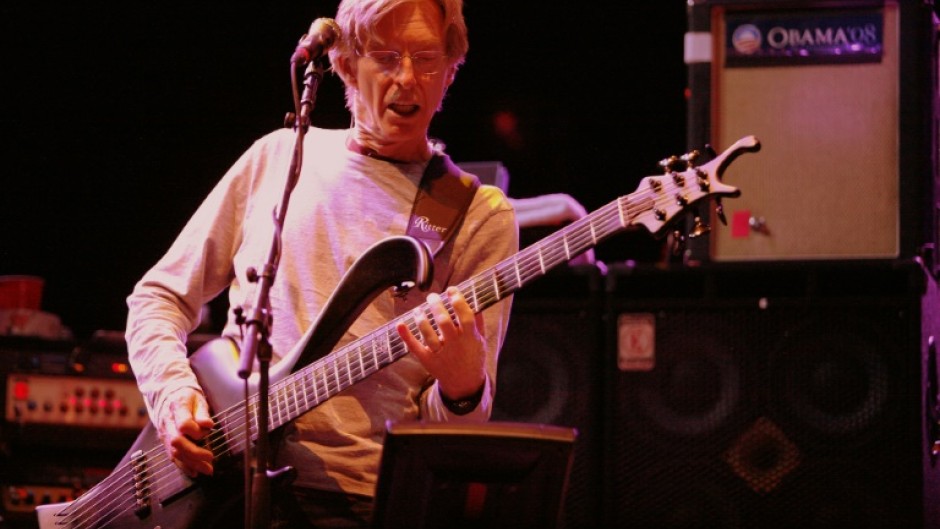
(147, 491)
(187, 508)
(399, 262)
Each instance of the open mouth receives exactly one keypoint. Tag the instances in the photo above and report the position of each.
(403, 110)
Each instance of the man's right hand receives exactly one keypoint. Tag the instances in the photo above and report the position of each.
(184, 421)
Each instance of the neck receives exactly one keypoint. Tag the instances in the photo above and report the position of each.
(355, 142)
(356, 147)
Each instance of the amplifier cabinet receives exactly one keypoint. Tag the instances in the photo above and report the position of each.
(842, 95)
(771, 396)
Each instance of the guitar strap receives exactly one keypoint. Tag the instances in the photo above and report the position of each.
(442, 200)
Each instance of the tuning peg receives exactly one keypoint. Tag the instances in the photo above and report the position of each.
(669, 164)
(699, 228)
(690, 157)
(720, 211)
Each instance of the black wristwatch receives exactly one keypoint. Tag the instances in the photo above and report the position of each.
(465, 405)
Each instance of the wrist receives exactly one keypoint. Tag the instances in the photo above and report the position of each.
(463, 405)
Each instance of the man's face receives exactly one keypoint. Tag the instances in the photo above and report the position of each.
(397, 96)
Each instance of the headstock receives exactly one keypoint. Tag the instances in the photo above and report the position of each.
(658, 199)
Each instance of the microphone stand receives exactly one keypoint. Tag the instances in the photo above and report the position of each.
(257, 324)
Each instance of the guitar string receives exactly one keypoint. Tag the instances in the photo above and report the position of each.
(481, 295)
(517, 264)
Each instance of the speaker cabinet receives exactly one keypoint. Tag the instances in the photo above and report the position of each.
(772, 396)
(842, 96)
(549, 373)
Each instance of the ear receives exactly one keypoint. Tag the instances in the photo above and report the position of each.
(450, 75)
(346, 71)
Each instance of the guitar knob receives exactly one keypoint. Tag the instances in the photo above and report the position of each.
(759, 225)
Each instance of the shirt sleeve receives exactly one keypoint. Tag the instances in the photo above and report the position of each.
(165, 304)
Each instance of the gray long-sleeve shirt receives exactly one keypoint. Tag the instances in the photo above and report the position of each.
(343, 203)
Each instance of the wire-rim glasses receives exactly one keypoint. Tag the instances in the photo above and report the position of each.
(427, 62)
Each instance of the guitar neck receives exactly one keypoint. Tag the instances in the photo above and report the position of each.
(536, 260)
(654, 204)
(317, 382)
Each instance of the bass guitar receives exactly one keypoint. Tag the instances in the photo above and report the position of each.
(146, 490)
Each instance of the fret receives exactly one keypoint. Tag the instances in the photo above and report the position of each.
(388, 348)
(253, 419)
(515, 265)
(349, 367)
(306, 405)
(541, 260)
(274, 409)
(312, 374)
(362, 367)
(326, 381)
(358, 364)
(448, 306)
(284, 410)
(291, 404)
(374, 350)
(335, 372)
(505, 282)
(473, 296)
(495, 284)
(393, 341)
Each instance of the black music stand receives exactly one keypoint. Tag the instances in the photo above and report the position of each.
(460, 476)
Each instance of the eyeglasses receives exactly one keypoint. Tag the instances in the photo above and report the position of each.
(422, 62)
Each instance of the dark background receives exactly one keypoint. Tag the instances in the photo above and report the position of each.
(118, 120)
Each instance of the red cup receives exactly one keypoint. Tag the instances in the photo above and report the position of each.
(21, 292)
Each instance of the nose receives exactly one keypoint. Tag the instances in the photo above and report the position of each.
(406, 74)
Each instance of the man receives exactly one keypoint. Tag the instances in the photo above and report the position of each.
(397, 59)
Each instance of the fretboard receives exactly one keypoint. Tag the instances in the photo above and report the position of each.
(322, 379)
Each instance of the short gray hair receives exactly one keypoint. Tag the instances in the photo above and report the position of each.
(357, 20)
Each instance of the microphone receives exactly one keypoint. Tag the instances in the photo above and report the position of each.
(321, 36)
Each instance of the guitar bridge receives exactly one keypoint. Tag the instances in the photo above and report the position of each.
(141, 481)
